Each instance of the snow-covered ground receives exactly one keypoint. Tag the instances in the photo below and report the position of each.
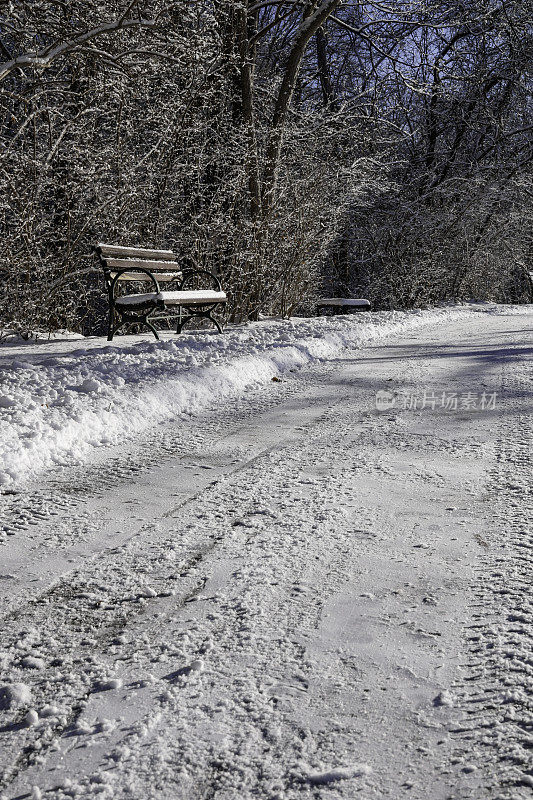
(59, 400)
(217, 585)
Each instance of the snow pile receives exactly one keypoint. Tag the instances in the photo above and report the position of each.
(13, 695)
(445, 698)
(54, 410)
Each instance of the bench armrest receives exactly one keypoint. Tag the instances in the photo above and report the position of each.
(200, 279)
(126, 270)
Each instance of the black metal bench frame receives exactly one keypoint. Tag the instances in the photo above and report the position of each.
(126, 264)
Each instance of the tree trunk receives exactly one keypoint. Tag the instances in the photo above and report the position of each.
(307, 30)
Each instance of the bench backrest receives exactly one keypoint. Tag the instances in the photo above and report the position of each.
(162, 263)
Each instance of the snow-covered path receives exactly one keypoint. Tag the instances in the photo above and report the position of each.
(298, 596)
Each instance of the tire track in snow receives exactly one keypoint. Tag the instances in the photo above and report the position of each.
(498, 725)
(73, 623)
(63, 490)
(257, 712)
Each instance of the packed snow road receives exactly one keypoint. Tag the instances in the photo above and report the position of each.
(297, 595)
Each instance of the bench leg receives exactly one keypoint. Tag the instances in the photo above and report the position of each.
(110, 325)
(112, 330)
(181, 320)
(184, 318)
(127, 320)
(215, 322)
(152, 329)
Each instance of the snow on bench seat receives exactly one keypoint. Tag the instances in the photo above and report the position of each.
(191, 297)
(136, 299)
(349, 302)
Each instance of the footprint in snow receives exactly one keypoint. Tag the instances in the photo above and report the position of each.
(338, 774)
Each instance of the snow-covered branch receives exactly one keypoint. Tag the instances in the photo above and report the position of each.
(44, 57)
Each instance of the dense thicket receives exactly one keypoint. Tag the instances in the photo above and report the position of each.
(383, 148)
(454, 85)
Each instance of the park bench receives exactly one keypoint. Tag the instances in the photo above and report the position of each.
(188, 293)
(342, 305)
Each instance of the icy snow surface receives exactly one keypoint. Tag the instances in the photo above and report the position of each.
(290, 596)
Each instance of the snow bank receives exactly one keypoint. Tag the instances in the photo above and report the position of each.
(15, 338)
(53, 411)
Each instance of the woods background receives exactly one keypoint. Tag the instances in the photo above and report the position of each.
(382, 149)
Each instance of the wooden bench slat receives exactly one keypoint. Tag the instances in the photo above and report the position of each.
(131, 263)
(108, 250)
(142, 276)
